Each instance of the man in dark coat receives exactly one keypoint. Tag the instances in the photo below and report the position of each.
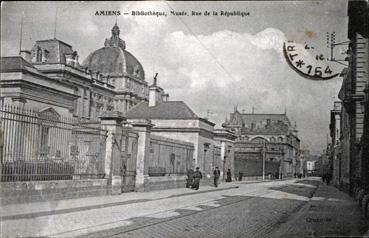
(216, 176)
(197, 176)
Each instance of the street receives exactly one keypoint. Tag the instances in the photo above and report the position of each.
(291, 208)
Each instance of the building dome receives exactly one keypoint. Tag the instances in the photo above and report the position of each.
(113, 59)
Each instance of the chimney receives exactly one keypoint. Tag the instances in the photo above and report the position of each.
(165, 97)
(154, 93)
(25, 54)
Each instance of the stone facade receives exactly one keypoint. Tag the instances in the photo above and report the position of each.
(268, 136)
(138, 155)
(353, 149)
(175, 120)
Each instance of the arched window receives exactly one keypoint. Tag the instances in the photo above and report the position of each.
(259, 140)
(280, 139)
(272, 139)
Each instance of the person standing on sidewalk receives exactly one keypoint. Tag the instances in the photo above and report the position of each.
(229, 176)
(189, 182)
(216, 176)
(197, 176)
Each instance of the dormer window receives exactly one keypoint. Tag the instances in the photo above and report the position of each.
(46, 54)
(39, 55)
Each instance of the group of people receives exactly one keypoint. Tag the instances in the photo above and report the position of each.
(194, 177)
(327, 177)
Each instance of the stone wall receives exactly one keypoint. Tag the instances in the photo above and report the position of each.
(173, 156)
(168, 163)
(35, 191)
(165, 182)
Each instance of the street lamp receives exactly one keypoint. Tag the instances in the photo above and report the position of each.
(206, 148)
(224, 163)
(281, 163)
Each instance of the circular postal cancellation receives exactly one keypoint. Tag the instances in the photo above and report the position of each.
(303, 59)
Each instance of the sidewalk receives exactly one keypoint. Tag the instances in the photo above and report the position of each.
(329, 213)
(37, 209)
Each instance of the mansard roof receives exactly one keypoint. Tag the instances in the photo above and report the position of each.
(164, 110)
(254, 118)
(14, 63)
(251, 123)
(56, 50)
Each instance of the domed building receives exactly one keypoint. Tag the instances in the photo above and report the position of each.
(109, 79)
(114, 63)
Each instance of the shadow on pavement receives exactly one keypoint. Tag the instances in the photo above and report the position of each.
(299, 188)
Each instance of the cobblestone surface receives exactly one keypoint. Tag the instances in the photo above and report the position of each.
(235, 216)
(330, 213)
(298, 208)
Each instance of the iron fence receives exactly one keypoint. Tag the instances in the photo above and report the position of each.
(43, 145)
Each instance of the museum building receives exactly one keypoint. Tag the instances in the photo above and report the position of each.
(50, 75)
(100, 120)
(268, 137)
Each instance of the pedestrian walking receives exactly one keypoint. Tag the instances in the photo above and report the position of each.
(189, 182)
(328, 178)
(197, 176)
(216, 176)
(229, 176)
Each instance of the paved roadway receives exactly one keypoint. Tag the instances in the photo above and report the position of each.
(251, 210)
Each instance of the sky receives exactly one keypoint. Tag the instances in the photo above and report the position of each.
(213, 63)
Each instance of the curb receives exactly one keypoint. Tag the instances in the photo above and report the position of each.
(97, 206)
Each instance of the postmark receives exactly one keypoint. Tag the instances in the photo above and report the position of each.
(308, 63)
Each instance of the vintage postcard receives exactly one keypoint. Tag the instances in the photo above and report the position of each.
(184, 119)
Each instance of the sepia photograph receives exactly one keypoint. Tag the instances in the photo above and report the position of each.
(174, 119)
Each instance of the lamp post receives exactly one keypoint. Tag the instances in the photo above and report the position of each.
(281, 163)
(224, 164)
(206, 148)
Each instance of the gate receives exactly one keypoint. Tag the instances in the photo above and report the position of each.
(129, 160)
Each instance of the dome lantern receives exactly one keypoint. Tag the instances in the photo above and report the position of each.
(115, 40)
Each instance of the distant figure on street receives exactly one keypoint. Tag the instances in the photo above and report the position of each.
(328, 178)
(229, 176)
(197, 176)
(240, 176)
(216, 176)
(189, 182)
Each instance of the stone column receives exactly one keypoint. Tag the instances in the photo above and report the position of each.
(143, 127)
(111, 121)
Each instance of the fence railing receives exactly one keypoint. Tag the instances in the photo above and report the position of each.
(43, 145)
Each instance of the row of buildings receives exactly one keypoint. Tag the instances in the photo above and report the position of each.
(101, 121)
(347, 155)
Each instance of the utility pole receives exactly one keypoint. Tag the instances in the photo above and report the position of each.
(21, 35)
(55, 21)
(264, 153)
